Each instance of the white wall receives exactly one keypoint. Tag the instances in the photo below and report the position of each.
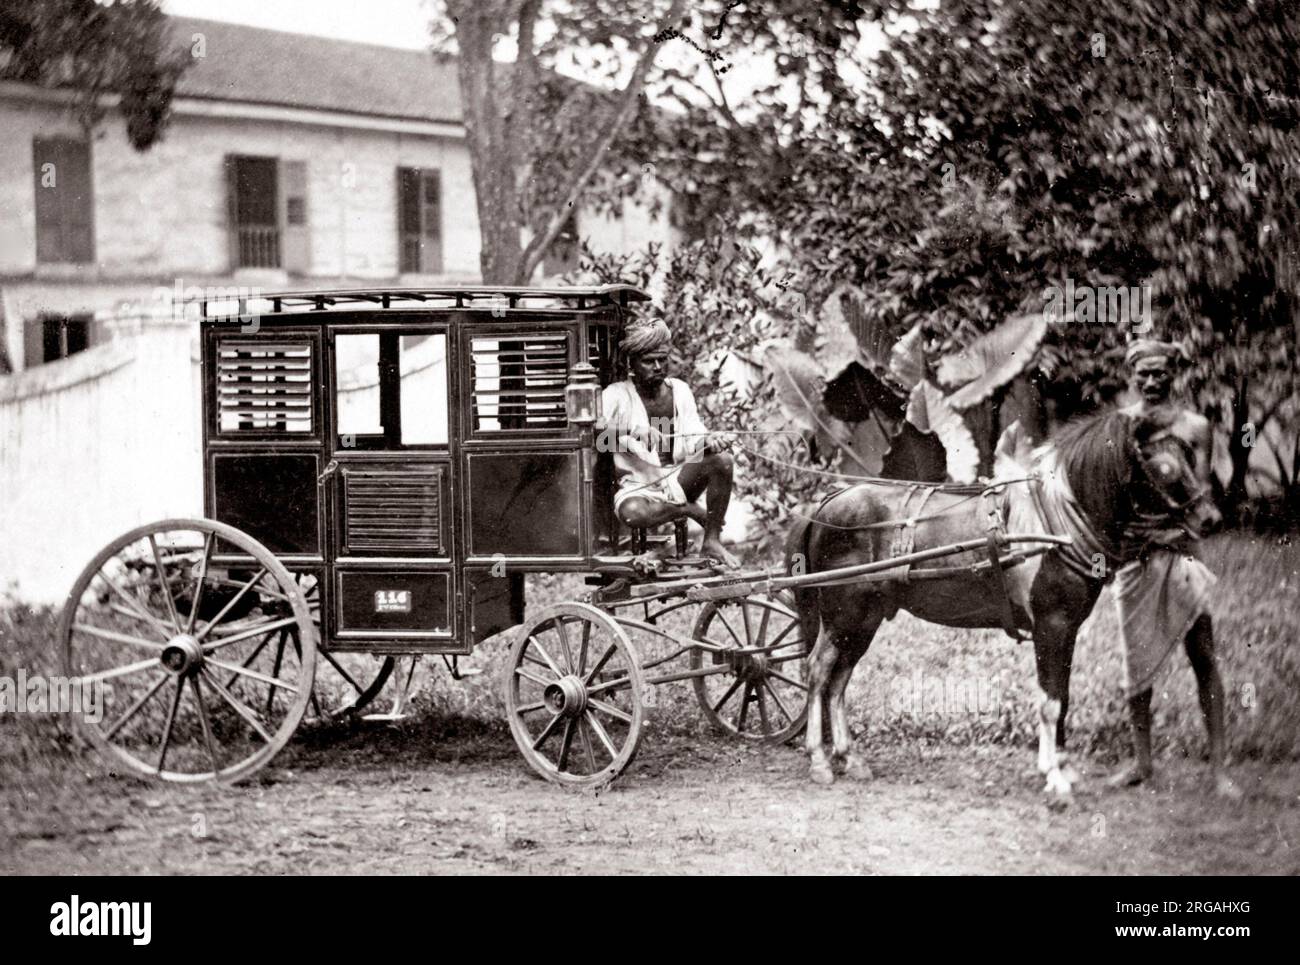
(91, 446)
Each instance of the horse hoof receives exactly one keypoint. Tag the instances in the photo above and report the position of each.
(1058, 801)
(1071, 775)
(857, 769)
(822, 774)
(1057, 786)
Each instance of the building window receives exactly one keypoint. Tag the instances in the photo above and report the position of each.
(562, 256)
(65, 227)
(419, 220)
(267, 201)
(63, 335)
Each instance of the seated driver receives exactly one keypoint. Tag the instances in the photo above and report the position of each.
(664, 458)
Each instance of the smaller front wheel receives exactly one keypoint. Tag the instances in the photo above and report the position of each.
(760, 692)
(575, 695)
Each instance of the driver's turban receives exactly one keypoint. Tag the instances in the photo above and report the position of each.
(646, 335)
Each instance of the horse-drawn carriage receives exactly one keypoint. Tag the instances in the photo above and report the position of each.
(382, 469)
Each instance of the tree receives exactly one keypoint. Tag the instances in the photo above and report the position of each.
(538, 140)
(95, 49)
(995, 149)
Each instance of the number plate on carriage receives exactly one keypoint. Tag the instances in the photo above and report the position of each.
(392, 601)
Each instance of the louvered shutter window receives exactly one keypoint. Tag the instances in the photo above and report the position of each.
(264, 387)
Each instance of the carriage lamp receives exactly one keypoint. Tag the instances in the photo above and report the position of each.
(582, 395)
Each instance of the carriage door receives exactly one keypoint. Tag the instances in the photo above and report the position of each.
(392, 578)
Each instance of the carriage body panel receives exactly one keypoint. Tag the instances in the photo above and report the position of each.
(410, 450)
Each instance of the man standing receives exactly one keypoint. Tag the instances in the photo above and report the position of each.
(1164, 596)
(664, 458)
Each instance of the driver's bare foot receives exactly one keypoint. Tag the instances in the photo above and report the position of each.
(712, 548)
(1130, 776)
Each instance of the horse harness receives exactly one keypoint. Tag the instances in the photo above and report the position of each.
(996, 512)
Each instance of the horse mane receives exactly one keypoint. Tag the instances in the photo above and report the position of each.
(1093, 453)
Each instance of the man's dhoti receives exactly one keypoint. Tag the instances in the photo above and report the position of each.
(1158, 601)
(660, 486)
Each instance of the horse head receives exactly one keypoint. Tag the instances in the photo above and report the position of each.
(1166, 487)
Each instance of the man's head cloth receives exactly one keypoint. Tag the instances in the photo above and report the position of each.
(1143, 348)
(646, 335)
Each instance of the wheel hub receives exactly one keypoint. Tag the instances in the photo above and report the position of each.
(182, 655)
(751, 667)
(566, 696)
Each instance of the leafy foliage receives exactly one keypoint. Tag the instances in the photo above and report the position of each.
(96, 49)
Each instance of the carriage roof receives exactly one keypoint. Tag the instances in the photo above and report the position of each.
(303, 305)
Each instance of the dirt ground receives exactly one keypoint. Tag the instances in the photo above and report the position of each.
(402, 799)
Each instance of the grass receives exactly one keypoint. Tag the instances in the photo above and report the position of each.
(919, 682)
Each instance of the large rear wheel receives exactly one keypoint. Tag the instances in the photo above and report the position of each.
(189, 659)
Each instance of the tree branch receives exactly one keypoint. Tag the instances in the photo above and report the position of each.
(539, 244)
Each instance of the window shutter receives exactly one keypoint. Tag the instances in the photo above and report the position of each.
(78, 206)
(232, 210)
(49, 210)
(65, 227)
(408, 220)
(431, 221)
(293, 217)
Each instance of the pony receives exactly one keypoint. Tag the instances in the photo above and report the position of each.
(1102, 478)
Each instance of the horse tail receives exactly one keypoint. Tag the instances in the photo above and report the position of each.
(798, 560)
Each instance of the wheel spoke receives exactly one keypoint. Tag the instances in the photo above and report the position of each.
(545, 656)
(530, 708)
(744, 615)
(586, 743)
(547, 731)
(275, 671)
(135, 707)
(122, 671)
(275, 682)
(163, 584)
(582, 649)
(198, 592)
(230, 682)
(239, 707)
(136, 606)
(133, 615)
(342, 673)
(171, 718)
(610, 709)
(618, 683)
(564, 643)
(599, 665)
(727, 696)
(220, 642)
(723, 620)
(776, 641)
(206, 724)
(118, 637)
(569, 727)
(601, 734)
(776, 698)
(762, 710)
(529, 675)
(230, 605)
(781, 676)
(744, 709)
(762, 625)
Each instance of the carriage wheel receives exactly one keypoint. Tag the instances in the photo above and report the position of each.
(183, 652)
(345, 682)
(760, 697)
(575, 695)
